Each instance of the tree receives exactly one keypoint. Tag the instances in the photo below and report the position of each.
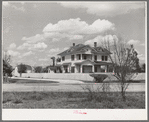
(124, 61)
(22, 69)
(38, 69)
(143, 67)
(7, 68)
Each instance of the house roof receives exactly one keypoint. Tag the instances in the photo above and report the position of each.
(83, 48)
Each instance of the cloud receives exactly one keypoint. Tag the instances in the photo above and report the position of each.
(24, 46)
(27, 53)
(18, 8)
(56, 36)
(76, 26)
(37, 47)
(142, 44)
(141, 57)
(12, 46)
(134, 42)
(43, 59)
(8, 4)
(104, 8)
(40, 45)
(54, 50)
(101, 39)
(13, 53)
(71, 29)
(34, 39)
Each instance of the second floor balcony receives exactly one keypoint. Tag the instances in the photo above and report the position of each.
(82, 57)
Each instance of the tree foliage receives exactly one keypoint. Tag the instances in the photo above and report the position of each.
(38, 69)
(7, 68)
(22, 68)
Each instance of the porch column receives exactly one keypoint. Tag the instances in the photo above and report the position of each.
(81, 69)
(80, 56)
(75, 68)
(68, 68)
(93, 68)
(62, 68)
(105, 68)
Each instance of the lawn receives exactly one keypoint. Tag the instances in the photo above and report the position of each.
(73, 100)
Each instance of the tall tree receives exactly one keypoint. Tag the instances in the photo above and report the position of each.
(38, 69)
(124, 60)
(7, 68)
(143, 67)
(22, 69)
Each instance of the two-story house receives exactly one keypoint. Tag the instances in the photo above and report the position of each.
(83, 59)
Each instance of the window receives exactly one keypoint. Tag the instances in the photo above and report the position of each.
(84, 57)
(95, 68)
(72, 57)
(102, 58)
(106, 58)
(79, 56)
(63, 58)
(95, 57)
(72, 69)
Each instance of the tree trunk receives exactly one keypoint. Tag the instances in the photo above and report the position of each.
(123, 94)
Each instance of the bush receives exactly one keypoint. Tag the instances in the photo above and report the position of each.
(98, 78)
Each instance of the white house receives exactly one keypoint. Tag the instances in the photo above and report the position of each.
(83, 59)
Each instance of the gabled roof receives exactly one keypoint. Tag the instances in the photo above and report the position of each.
(83, 48)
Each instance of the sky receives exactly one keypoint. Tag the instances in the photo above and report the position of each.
(35, 31)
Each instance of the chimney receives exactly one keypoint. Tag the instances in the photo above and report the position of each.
(73, 44)
(131, 45)
(95, 44)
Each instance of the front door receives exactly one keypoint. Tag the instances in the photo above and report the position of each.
(87, 69)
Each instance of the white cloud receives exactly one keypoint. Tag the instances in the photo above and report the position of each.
(54, 50)
(72, 29)
(12, 46)
(134, 42)
(66, 48)
(141, 57)
(101, 39)
(143, 44)
(27, 53)
(34, 39)
(76, 26)
(104, 8)
(13, 53)
(7, 4)
(24, 46)
(43, 59)
(40, 45)
(18, 8)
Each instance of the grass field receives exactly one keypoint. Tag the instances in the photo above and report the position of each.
(73, 100)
